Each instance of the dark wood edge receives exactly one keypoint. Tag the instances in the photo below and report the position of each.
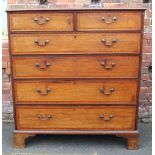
(76, 79)
(76, 53)
(72, 103)
(75, 106)
(81, 132)
(140, 67)
(75, 31)
(72, 78)
(77, 9)
(75, 21)
(11, 68)
(43, 104)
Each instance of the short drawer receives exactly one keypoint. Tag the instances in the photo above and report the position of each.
(83, 91)
(86, 118)
(76, 66)
(101, 21)
(75, 43)
(41, 22)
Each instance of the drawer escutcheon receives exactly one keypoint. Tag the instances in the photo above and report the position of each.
(108, 20)
(41, 20)
(104, 118)
(109, 43)
(43, 93)
(44, 117)
(43, 65)
(102, 90)
(41, 42)
(106, 66)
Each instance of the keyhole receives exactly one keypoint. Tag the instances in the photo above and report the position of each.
(74, 37)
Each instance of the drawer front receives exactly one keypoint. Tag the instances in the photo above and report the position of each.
(84, 91)
(109, 21)
(41, 22)
(66, 66)
(75, 43)
(89, 118)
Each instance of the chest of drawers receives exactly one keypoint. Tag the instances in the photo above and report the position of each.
(76, 71)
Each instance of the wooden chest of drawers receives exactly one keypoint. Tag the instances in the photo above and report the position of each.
(76, 71)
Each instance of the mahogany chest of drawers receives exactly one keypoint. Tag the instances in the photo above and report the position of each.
(76, 71)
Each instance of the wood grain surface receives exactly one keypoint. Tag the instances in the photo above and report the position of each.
(93, 21)
(77, 91)
(26, 22)
(75, 43)
(78, 66)
(30, 117)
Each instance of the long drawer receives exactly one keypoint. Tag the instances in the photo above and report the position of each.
(77, 66)
(41, 21)
(83, 91)
(86, 118)
(108, 20)
(75, 43)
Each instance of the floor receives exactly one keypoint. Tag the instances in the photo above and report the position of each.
(77, 145)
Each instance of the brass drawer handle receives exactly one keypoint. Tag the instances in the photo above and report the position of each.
(102, 90)
(44, 117)
(43, 93)
(41, 42)
(104, 118)
(108, 20)
(106, 66)
(110, 43)
(41, 20)
(43, 66)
